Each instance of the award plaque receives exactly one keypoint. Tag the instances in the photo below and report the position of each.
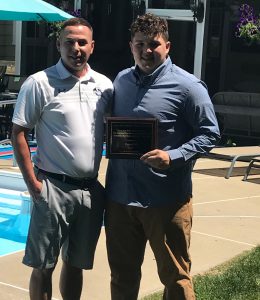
(130, 137)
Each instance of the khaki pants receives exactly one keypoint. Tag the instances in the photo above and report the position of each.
(168, 231)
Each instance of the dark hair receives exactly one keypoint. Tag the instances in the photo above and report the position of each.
(150, 25)
(75, 22)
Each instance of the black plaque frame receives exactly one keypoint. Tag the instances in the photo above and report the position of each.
(130, 138)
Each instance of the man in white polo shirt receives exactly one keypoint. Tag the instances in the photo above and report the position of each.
(65, 104)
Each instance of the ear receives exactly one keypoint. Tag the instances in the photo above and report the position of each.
(131, 46)
(168, 46)
(92, 46)
(58, 44)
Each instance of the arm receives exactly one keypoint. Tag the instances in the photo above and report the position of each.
(23, 157)
(199, 114)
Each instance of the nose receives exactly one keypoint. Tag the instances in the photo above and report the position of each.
(148, 49)
(76, 46)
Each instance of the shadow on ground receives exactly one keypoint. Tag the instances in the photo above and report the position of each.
(221, 172)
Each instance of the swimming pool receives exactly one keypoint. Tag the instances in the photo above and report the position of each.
(15, 207)
(12, 181)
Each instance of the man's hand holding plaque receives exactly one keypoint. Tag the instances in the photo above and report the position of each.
(130, 138)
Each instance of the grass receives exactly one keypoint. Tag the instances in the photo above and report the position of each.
(237, 279)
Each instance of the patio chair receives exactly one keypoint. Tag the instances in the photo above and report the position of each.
(14, 83)
(238, 113)
(233, 155)
(254, 163)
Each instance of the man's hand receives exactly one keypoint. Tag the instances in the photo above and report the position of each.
(35, 189)
(158, 159)
(23, 157)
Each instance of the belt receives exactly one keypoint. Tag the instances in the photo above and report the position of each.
(80, 182)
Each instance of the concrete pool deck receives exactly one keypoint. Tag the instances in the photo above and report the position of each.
(226, 223)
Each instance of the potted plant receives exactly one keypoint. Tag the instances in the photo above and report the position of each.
(55, 27)
(248, 27)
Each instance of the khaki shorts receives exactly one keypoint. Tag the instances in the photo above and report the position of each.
(65, 218)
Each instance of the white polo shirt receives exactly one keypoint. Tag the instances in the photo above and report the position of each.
(67, 113)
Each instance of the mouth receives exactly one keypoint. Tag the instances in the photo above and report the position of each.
(150, 58)
(77, 59)
(147, 59)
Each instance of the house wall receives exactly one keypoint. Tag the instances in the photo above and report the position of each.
(243, 60)
(231, 65)
(7, 48)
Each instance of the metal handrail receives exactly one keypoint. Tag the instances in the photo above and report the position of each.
(5, 141)
(4, 102)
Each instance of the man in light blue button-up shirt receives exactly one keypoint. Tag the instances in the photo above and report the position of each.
(150, 198)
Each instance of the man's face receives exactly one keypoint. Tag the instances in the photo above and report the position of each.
(149, 52)
(75, 46)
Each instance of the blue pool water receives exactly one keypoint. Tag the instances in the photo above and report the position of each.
(12, 181)
(15, 206)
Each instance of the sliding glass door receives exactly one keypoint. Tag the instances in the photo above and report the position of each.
(186, 21)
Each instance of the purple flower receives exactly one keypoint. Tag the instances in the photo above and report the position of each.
(248, 26)
(76, 13)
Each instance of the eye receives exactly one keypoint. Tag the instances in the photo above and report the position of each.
(153, 45)
(82, 43)
(69, 42)
(139, 45)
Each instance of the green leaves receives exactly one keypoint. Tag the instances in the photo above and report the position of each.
(248, 27)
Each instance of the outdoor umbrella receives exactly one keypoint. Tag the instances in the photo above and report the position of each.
(30, 10)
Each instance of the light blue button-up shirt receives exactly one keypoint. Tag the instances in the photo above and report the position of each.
(187, 127)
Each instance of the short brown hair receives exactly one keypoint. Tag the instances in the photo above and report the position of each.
(150, 25)
(75, 22)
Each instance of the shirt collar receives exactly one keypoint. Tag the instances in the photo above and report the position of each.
(157, 73)
(64, 72)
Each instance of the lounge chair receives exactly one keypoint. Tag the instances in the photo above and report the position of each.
(254, 163)
(234, 154)
(238, 113)
(239, 116)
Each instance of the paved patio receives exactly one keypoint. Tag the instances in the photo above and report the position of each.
(226, 223)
